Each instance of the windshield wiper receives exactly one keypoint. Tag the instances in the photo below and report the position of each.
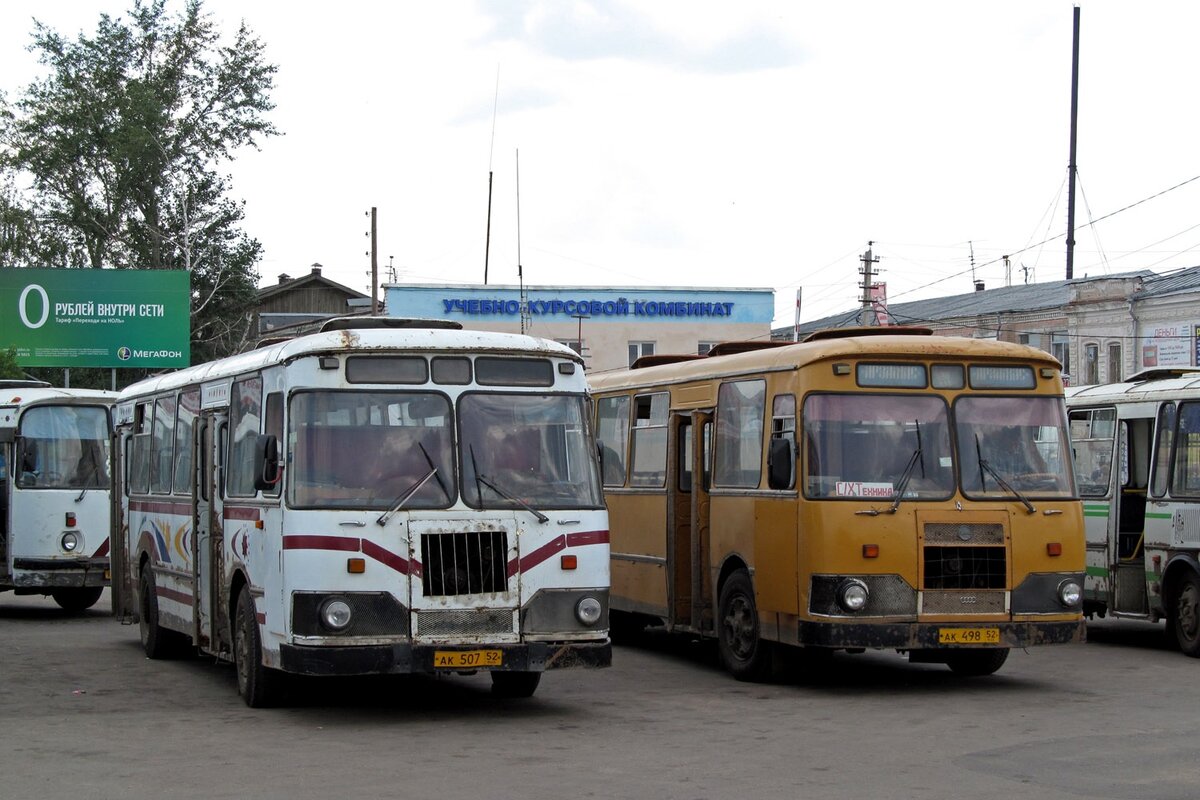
(904, 478)
(918, 455)
(1005, 485)
(385, 516)
(540, 516)
(429, 461)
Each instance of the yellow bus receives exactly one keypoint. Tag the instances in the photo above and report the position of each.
(867, 488)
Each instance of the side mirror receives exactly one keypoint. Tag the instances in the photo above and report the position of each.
(781, 463)
(267, 471)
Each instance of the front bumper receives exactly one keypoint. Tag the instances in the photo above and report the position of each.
(924, 635)
(408, 658)
(60, 573)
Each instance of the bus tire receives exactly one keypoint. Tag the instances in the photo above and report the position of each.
(515, 684)
(743, 652)
(77, 600)
(976, 663)
(157, 641)
(258, 685)
(1184, 613)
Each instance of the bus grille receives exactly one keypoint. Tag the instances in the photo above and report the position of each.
(965, 568)
(963, 602)
(464, 562)
(964, 533)
(465, 622)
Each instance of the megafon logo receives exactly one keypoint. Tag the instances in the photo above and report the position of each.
(124, 353)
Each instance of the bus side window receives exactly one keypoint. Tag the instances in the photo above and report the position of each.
(274, 427)
(612, 432)
(1164, 436)
(783, 428)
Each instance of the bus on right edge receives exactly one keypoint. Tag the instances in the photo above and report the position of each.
(1137, 457)
(868, 488)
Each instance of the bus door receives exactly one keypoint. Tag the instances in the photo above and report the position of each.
(122, 594)
(207, 524)
(688, 521)
(6, 438)
(1127, 527)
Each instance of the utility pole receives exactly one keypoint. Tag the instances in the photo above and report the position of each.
(1071, 164)
(866, 315)
(374, 267)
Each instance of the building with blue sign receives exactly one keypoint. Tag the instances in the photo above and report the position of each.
(610, 327)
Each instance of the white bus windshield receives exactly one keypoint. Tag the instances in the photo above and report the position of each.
(63, 447)
(368, 449)
(531, 448)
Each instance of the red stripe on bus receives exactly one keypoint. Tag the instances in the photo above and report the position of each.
(531, 560)
(321, 543)
(587, 537)
(161, 506)
(173, 594)
(235, 512)
(101, 551)
(386, 557)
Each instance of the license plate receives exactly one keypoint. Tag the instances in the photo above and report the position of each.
(467, 659)
(968, 636)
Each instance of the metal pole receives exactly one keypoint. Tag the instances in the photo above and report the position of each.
(1071, 165)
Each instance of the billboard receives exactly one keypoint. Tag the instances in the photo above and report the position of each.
(96, 317)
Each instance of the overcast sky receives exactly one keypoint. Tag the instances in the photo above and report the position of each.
(748, 144)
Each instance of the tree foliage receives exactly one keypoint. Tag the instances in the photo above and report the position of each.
(121, 147)
(8, 364)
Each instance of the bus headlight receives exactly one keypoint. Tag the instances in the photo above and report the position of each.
(1069, 593)
(588, 611)
(852, 595)
(69, 542)
(335, 614)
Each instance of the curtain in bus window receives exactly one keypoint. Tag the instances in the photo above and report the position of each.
(739, 442)
(245, 417)
(63, 447)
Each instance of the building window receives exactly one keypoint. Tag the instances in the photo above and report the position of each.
(1091, 363)
(639, 349)
(1060, 348)
(574, 344)
(703, 347)
(1115, 373)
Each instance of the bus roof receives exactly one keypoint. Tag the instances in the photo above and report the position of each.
(18, 395)
(1144, 386)
(355, 340)
(794, 356)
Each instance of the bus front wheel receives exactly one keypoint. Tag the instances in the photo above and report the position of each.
(743, 652)
(1185, 616)
(515, 684)
(77, 601)
(976, 663)
(258, 685)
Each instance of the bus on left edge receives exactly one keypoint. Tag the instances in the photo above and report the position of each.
(55, 491)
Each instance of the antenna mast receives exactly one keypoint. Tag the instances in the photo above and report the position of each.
(520, 271)
(487, 246)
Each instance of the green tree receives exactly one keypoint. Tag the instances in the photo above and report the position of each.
(8, 364)
(122, 144)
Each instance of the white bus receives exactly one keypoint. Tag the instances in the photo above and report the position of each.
(55, 491)
(1137, 457)
(370, 499)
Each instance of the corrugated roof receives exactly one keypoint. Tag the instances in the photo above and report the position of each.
(1180, 281)
(1025, 297)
